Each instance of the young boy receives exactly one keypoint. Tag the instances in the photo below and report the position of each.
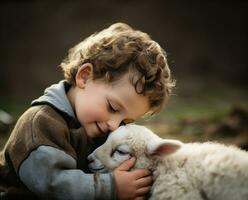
(111, 78)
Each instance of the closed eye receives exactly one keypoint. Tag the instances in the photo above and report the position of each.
(122, 149)
(121, 152)
(111, 108)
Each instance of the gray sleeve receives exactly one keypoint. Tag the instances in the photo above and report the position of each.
(51, 173)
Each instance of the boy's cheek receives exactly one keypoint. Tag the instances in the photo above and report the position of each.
(96, 115)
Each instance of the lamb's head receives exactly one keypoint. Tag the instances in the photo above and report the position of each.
(131, 141)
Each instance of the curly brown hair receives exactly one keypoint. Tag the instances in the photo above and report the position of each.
(119, 49)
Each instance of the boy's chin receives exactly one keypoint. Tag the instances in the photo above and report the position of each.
(91, 134)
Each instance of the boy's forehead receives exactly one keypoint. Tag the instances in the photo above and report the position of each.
(135, 105)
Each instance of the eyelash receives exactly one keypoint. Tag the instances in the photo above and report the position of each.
(111, 108)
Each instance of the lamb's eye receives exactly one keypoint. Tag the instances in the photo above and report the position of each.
(121, 152)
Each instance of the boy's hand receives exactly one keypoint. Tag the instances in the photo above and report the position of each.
(132, 184)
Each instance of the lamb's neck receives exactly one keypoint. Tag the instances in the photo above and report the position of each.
(171, 162)
(180, 163)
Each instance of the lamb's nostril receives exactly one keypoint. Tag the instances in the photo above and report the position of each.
(90, 161)
(91, 158)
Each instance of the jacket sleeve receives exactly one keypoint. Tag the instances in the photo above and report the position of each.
(52, 174)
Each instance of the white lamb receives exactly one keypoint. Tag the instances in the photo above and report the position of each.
(193, 171)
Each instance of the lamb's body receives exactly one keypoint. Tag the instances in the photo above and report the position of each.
(202, 171)
(206, 171)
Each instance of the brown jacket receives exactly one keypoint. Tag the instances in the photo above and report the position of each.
(40, 125)
(43, 155)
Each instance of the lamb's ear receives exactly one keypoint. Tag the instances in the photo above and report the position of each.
(160, 146)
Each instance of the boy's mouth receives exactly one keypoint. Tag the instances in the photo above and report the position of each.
(100, 129)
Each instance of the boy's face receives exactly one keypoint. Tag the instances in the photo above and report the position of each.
(101, 107)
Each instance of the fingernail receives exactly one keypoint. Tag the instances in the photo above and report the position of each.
(133, 158)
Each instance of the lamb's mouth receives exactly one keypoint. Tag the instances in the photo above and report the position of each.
(99, 169)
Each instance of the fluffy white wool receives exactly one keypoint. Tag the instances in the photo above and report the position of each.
(193, 171)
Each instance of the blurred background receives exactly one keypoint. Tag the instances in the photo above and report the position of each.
(206, 43)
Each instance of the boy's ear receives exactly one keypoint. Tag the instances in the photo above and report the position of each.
(84, 74)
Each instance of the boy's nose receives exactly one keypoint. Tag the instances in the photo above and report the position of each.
(114, 123)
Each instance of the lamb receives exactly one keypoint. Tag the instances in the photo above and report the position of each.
(192, 171)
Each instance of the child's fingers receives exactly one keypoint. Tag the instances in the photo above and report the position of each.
(127, 165)
(145, 181)
(143, 191)
(139, 173)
